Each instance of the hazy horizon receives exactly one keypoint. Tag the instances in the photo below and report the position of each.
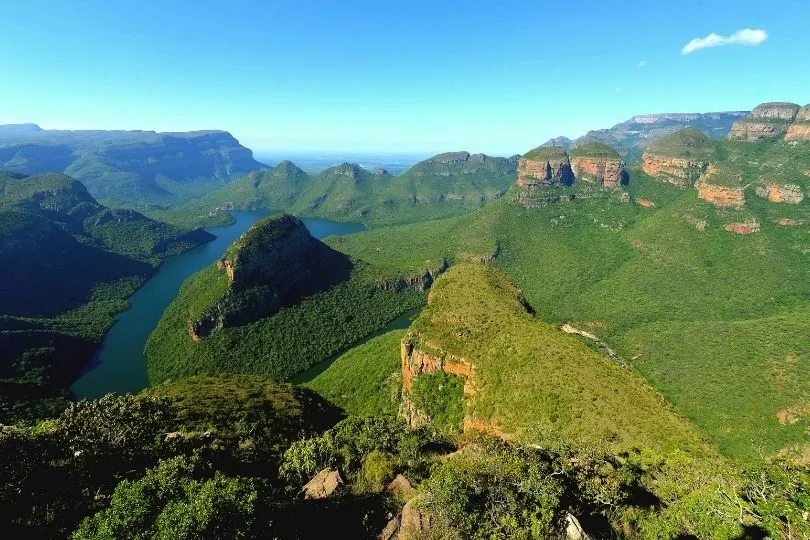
(427, 77)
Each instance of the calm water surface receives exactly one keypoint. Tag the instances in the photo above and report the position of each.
(119, 364)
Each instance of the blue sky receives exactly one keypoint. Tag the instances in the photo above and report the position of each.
(496, 77)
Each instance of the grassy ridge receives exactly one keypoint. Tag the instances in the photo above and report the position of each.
(531, 378)
(627, 273)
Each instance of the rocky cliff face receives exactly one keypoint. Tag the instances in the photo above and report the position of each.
(780, 193)
(678, 158)
(598, 164)
(275, 263)
(677, 171)
(548, 165)
(416, 360)
(766, 121)
(799, 130)
(719, 193)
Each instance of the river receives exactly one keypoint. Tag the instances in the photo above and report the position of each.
(119, 364)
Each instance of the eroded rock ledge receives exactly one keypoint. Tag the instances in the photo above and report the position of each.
(773, 121)
(417, 359)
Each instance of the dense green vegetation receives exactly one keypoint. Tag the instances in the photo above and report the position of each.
(441, 397)
(293, 339)
(65, 201)
(134, 169)
(69, 265)
(680, 410)
(365, 379)
(227, 456)
(444, 185)
(635, 275)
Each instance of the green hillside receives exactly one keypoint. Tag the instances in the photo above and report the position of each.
(687, 143)
(444, 185)
(70, 265)
(65, 201)
(134, 169)
(366, 379)
(529, 378)
(277, 303)
(614, 268)
(594, 150)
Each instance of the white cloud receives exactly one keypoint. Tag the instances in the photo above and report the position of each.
(642, 63)
(740, 37)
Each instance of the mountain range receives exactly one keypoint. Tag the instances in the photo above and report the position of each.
(630, 137)
(588, 345)
(129, 168)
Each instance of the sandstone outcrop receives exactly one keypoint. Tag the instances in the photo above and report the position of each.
(788, 222)
(746, 227)
(545, 165)
(673, 170)
(418, 358)
(719, 192)
(416, 521)
(598, 164)
(799, 130)
(766, 121)
(781, 193)
(416, 361)
(400, 488)
(679, 158)
(322, 485)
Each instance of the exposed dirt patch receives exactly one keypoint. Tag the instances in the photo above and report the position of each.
(793, 414)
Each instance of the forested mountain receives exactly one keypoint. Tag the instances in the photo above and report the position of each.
(445, 185)
(69, 265)
(129, 168)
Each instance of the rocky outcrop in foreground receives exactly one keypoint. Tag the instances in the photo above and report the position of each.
(416, 359)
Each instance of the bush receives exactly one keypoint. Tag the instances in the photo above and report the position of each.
(168, 502)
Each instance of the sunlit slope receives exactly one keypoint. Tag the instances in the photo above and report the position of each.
(637, 273)
(528, 378)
